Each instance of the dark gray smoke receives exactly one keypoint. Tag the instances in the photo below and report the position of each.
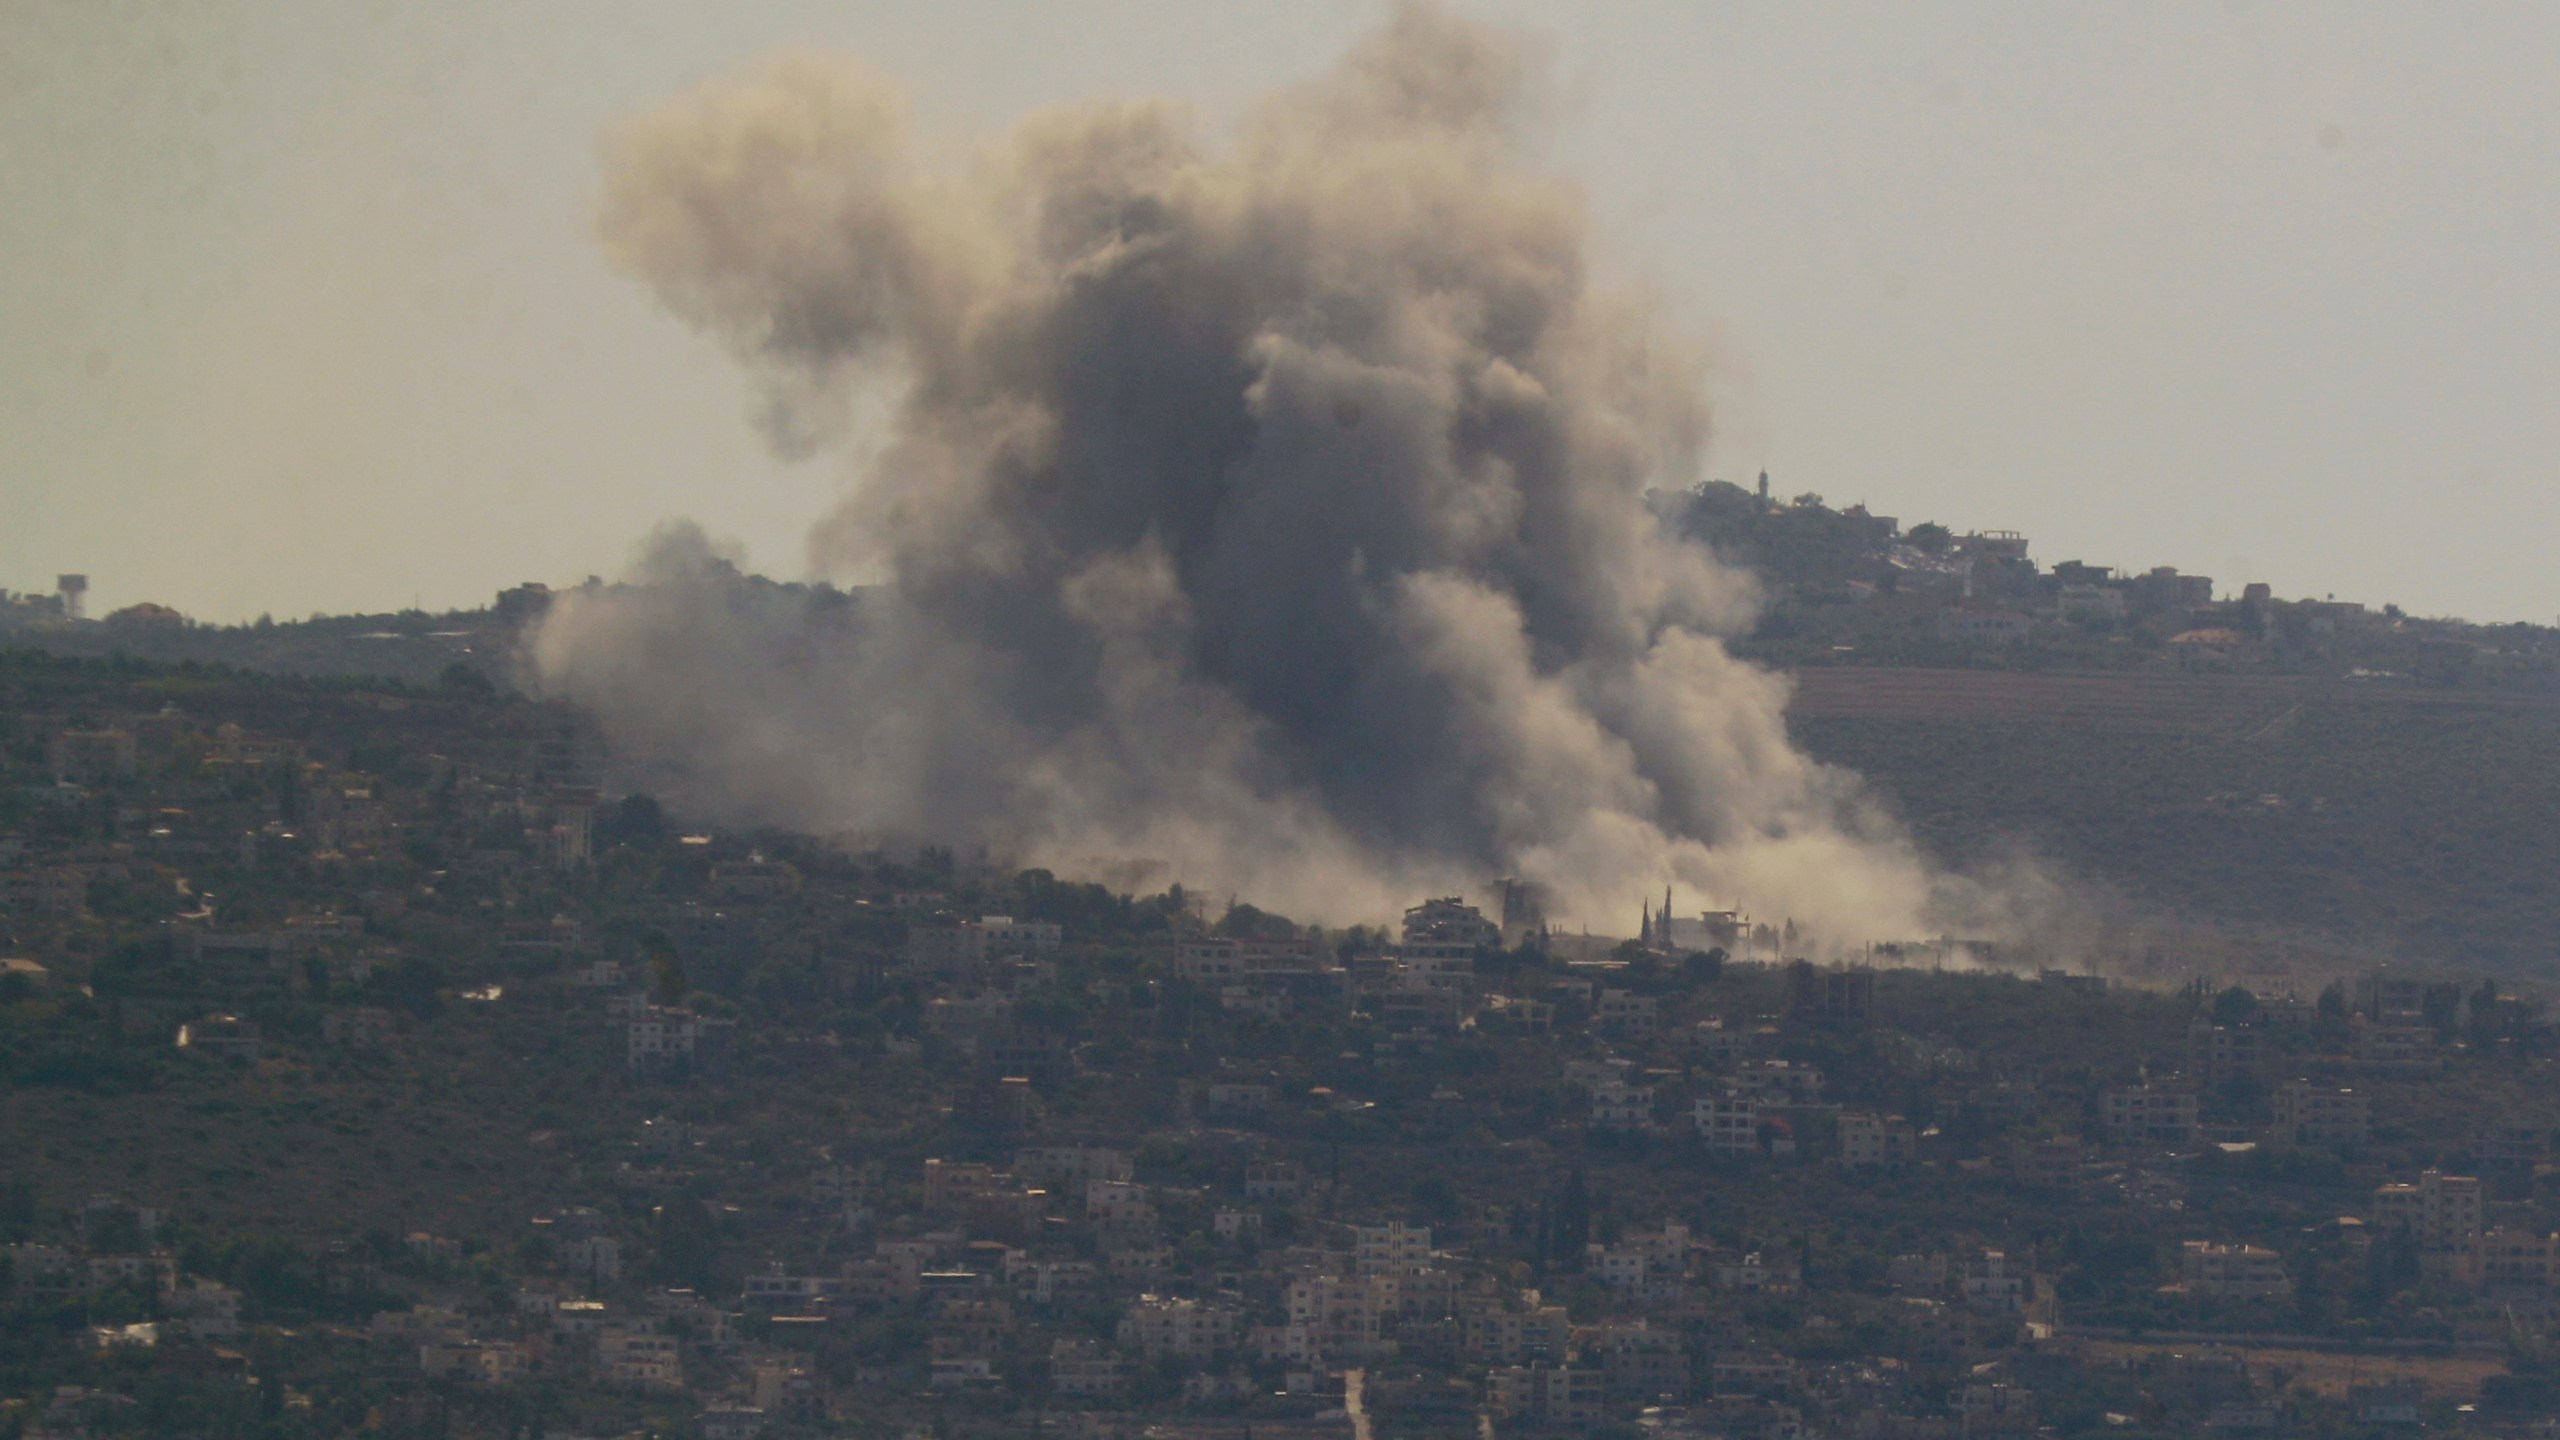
(1269, 510)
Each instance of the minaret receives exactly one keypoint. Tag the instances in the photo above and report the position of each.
(1764, 490)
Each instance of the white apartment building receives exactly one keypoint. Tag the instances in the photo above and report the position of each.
(1390, 1249)
(2443, 1214)
(1728, 1123)
(2232, 1272)
(1341, 1314)
(1996, 1284)
(943, 945)
(1157, 1326)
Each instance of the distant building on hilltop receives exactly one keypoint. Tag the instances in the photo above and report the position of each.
(1670, 934)
(148, 616)
(1995, 545)
(1448, 923)
(2163, 589)
(1523, 909)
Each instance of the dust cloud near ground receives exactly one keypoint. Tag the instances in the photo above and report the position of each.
(1261, 510)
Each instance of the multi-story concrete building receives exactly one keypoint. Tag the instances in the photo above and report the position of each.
(2442, 1213)
(1119, 1205)
(2519, 1259)
(637, 1353)
(1625, 1012)
(1729, 1123)
(1495, 1334)
(946, 945)
(1274, 1180)
(1080, 1367)
(951, 1184)
(2216, 1053)
(1642, 1362)
(1187, 1329)
(1649, 1268)
(1622, 1108)
(1996, 1283)
(1868, 1140)
(2308, 1114)
(1564, 1396)
(2232, 1272)
(1342, 1316)
(1391, 1249)
(660, 1036)
(2155, 1112)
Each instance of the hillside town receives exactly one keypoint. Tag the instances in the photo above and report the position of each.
(1221, 772)
(1850, 587)
(366, 1066)
(1841, 587)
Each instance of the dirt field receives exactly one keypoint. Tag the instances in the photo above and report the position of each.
(2450, 1377)
(2157, 704)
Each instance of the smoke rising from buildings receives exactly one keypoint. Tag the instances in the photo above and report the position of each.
(1267, 510)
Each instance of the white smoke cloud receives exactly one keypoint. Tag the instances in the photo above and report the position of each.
(1271, 510)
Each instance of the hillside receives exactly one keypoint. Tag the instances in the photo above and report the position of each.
(2375, 819)
(450, 1098)
(2383, 788)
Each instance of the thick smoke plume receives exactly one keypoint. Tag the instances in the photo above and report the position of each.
(1270, 510)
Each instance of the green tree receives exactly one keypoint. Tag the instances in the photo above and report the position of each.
(667, 982)
(636, 820)
(2235, 1006)
(1244, 922)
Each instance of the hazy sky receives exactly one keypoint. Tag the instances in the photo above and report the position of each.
(300, 309)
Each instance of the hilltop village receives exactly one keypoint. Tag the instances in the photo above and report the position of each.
(1841, 587)
(1847, 587)
(365, 1068)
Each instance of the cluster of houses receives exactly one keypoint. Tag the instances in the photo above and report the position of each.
(1063, 1272)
